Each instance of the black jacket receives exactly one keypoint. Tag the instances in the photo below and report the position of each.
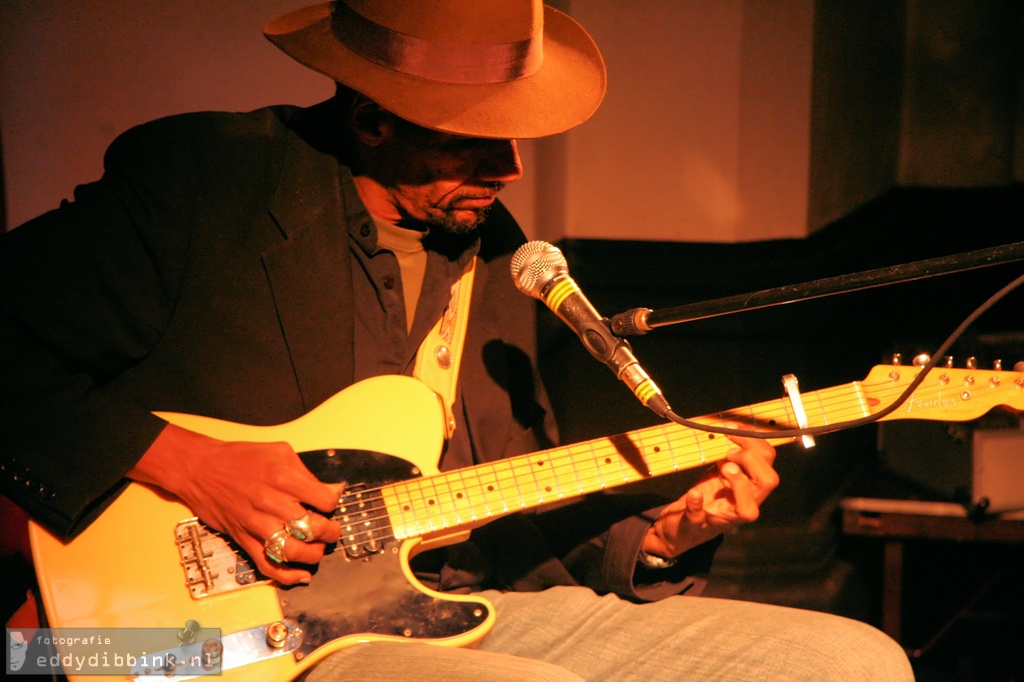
(208, 272)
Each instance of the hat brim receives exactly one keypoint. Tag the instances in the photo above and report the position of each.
(564, 92)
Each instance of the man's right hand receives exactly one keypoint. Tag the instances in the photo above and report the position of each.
(247, 490)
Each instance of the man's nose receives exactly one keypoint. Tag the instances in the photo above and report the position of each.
(500, 162)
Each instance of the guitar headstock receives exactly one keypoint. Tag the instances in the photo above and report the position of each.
(947, 393)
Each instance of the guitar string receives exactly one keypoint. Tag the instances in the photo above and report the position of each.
(428, 488)
(648, 441)
(432, 488)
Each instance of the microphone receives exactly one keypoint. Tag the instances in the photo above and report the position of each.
(540, 270)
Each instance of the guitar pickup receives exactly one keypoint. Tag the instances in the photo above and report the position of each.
(365, 525)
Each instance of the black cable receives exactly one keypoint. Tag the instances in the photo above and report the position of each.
(839, 426)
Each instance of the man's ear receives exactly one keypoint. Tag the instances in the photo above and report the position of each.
(371, 122)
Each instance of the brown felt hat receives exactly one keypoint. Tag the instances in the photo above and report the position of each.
(484, 68)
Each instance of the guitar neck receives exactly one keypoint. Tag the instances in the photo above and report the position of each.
(475, 494)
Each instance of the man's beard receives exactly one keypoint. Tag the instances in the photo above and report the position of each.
(444, 216)
(448, 221)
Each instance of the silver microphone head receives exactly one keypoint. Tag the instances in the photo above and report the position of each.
(536, 263)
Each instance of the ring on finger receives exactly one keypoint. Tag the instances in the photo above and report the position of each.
(274, 546)
(302, 528)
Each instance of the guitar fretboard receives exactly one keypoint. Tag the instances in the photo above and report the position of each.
(466, 496)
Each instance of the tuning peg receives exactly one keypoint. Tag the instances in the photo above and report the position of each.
(897, 359)
(1018, 367)
(997, 365)
(921, 360)
(947, 362)
(972, 363)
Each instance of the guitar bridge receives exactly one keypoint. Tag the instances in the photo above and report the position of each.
(212, 564)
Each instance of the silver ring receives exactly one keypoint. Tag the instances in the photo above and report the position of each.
(274, 546)
(302, 528)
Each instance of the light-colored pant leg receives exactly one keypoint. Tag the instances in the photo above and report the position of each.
(570, 633)
(690, 638)
(419, 662)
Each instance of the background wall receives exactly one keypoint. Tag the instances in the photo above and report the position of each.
(73, 75)
(725, 121)
(702, 136)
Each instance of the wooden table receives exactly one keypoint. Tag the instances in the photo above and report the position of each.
(896, 521)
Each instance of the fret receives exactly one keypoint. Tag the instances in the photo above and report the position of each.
(430, 513)
(813, 408)
(563, 472)
(614, 465)
(490, 489)
(596, 458)
(789, 417)
(668, 453)
(698, 448)
(862, 399)
(652, 447)
(397, 503)
(485, 494)
(709, 447)
(461, 495)
(781, 414)
(713, 447)
(817, 406)
(609, 464)
(402, 502)
(543, 478)
(854, 404)
(765, 416)
(526, 487)
(671, 450)
(595, 475)
(575, 465)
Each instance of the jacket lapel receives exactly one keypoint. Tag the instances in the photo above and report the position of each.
(309, 272)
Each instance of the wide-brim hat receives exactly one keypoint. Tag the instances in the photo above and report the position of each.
(501, 69)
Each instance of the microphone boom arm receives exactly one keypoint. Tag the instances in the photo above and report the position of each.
(638, 321)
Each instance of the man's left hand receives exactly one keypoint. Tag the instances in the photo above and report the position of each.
(729, 494)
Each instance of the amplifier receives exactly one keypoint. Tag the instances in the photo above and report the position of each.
(980, 465)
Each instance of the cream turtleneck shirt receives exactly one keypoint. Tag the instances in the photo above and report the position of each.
(407, 245)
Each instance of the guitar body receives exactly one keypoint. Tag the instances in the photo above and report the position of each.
(128, 569)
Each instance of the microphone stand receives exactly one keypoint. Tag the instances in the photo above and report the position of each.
(638, 321)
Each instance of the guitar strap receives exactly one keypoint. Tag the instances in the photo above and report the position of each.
(438, 358)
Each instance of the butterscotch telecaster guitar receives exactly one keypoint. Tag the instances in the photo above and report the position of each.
(148, 563)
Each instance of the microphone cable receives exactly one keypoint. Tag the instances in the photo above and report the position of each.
(852, 423)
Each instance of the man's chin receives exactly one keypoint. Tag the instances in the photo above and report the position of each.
(462, 220)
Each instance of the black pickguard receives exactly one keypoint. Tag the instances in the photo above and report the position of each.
(369, 594)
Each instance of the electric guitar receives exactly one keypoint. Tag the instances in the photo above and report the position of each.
(147, 562)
